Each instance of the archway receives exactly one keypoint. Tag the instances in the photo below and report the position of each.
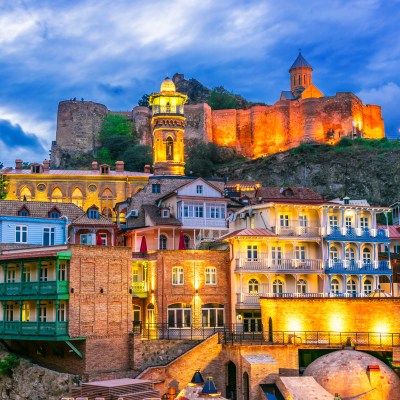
(246, 389)
(231, 391)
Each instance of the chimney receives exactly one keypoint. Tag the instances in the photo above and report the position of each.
(147, 169)
(46, 165)
(119, 166)
(95, 165)
(18, 164)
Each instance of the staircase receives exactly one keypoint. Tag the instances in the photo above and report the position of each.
(126, 389)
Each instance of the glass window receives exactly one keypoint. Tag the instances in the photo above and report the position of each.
(303, 220)
(211, 276)
(43, 312)
(215, 211)
(364, 222)
(179, 315)
(26, 312)
(301, 286)
(165, 213)
(9, 312)
(62, 312)
(351, 286)
(253, 286)
(367, 287)
(334, 286)
(54, 214)
(212, 315)
(23, 213)
(333, 253)
(103, 239)
(136, 313)
(155, 188)
(48, 236)
(366, 254)
(199, 189)
(300, 252)
(163, 242)
(333, 221)
(186, 238)
(277, 286)
(62, 271)
(135, 274)
(21, 234)
(151, 316)
(276, 254)
(93, 213)
(252, 252)
(11, 274)
(44, 273)
(348, 222)
(177, 275)
(87, 238)
(26, 273)
(350, 254)
(284, 221)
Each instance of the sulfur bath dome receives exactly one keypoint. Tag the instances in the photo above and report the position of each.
(349, 373)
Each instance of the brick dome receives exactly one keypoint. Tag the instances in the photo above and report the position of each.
(351, 373)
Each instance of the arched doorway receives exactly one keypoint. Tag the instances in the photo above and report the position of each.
(246, 390)
(231, 386)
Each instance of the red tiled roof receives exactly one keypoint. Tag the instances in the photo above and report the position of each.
(288, 194)
(394, 231)
(249, 232)
(8, 171)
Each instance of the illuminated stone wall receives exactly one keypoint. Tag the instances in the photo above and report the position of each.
(339, 315)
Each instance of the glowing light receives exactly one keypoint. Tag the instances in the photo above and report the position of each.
(336, 323)
(294, 325)
(381, 327)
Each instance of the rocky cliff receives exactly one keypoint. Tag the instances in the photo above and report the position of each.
(359, 169)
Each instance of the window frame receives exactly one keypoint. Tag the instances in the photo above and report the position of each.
(21, 233)
(50, 234)
(210, 276)
(178, 276)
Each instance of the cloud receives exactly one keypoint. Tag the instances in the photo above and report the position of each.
(13, 136)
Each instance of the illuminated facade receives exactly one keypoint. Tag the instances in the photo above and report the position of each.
(168, 123)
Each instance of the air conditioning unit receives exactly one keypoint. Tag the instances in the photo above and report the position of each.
(242, 215)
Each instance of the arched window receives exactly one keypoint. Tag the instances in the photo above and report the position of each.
(350, 256)
(170, 148)
(107, 199)
(366, 255)
(77, 197)
(277, 286)
(246, 386)
(56, 195)
(351, 286)
(301, 286)
(150, 314)
(334, 286)
(168, 107)
(253, 286)
(212, 314)
(186, 238)
(25, 194)
(163, 242)
(179, 315)
(333, 253)
(367, 287)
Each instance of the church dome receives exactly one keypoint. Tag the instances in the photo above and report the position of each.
(351, 373)
(167, 85)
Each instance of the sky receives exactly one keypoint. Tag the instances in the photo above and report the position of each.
(114, 51)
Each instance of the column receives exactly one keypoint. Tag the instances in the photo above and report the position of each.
(357, 219)
(21, 303)
(57, 305)
(39, 274)
(342, 218)
(360, 285)
(38, 316)
(4, 314)
(112, 237)
(360, 263)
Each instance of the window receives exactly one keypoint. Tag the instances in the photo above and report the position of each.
(351, 286)
(177, 276)
(333, 253)
(333, 221)
(21, 234)
(26, 312)
(77, 197)
(334, 286)
(179, 315)
(193, 211)
(348, 222)
(9, 312)
(104, 169)
(136, 314)
(252, 252)
(48, 236)
(212, 315)
(43, 312)
(199, 189)
(277, 286)
(211, 276)
(62, 312)
(186, 238)
(170, 148)
(165, 213)
(44, 273)
(303, 220)
(366, 255)
(276, 253)
(26, 273)
(284, 221)
(155, 188)
(215, 211)
(300, 253)
(103, 239)
(56, 195)
(367, 287)
(151, 316)
(25, 194)
(54, 214)
(301, 286)
(35, 169)
(350, 254)
(87, 238)
(252, 322)
(364, 222)
(11, 274)
(163, 242)
(253, 286)
(93, 213)
(23, 213)
(62, 271)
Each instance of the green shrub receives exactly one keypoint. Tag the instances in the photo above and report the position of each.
(7, 364)
(345, 142)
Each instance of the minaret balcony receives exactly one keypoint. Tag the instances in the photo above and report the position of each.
(174, 110)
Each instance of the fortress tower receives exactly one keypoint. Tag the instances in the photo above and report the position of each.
(168, 125)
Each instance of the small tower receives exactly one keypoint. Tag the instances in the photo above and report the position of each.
(168, 124)
(300, 74)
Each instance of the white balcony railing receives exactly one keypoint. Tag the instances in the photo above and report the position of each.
(295, 230)
(252, 299)
(203, 222)
(356, 232)
(263, 263)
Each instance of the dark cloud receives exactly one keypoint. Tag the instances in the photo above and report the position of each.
(112, 90)
(13, 136)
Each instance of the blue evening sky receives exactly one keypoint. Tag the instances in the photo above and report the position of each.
(114, 51)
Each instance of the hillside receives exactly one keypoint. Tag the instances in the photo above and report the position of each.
(359, 169)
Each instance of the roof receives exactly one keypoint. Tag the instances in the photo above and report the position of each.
(39, 209)
(394, 231)
(355, 202)
(73, 172)
(287, 95)
(242, 184)
(154, 213)
(248, 232)
(288, 194)
(100, 221)
(300, 62)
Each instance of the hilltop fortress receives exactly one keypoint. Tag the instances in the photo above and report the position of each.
(301, 115)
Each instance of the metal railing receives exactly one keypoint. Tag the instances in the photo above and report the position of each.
(263, 263)
(359, 266)
(337, 232)
(296, 230)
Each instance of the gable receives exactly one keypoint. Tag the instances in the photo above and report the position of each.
(311, 91)
(191, 189)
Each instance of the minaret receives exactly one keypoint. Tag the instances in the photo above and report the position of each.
(300, 74)
(168, 124)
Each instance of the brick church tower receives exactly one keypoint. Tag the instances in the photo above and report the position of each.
(168, 125)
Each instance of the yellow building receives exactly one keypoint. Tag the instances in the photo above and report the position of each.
(99, 186)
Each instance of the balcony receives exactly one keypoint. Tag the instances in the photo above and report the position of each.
(167, 109)
(357, 267)
(297, 231)
(203, 222)
(265, 264)
(33, 288)
(139, 290)
(336, 233)
(253, 300)
(32, 329)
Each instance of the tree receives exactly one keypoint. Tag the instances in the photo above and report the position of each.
(1, 165)
(221, 99)
(144, 101)
(136, 157)
(116, 125)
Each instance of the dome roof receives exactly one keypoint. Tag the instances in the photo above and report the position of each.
(300, 62)
(167, 85)
(347, 372)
